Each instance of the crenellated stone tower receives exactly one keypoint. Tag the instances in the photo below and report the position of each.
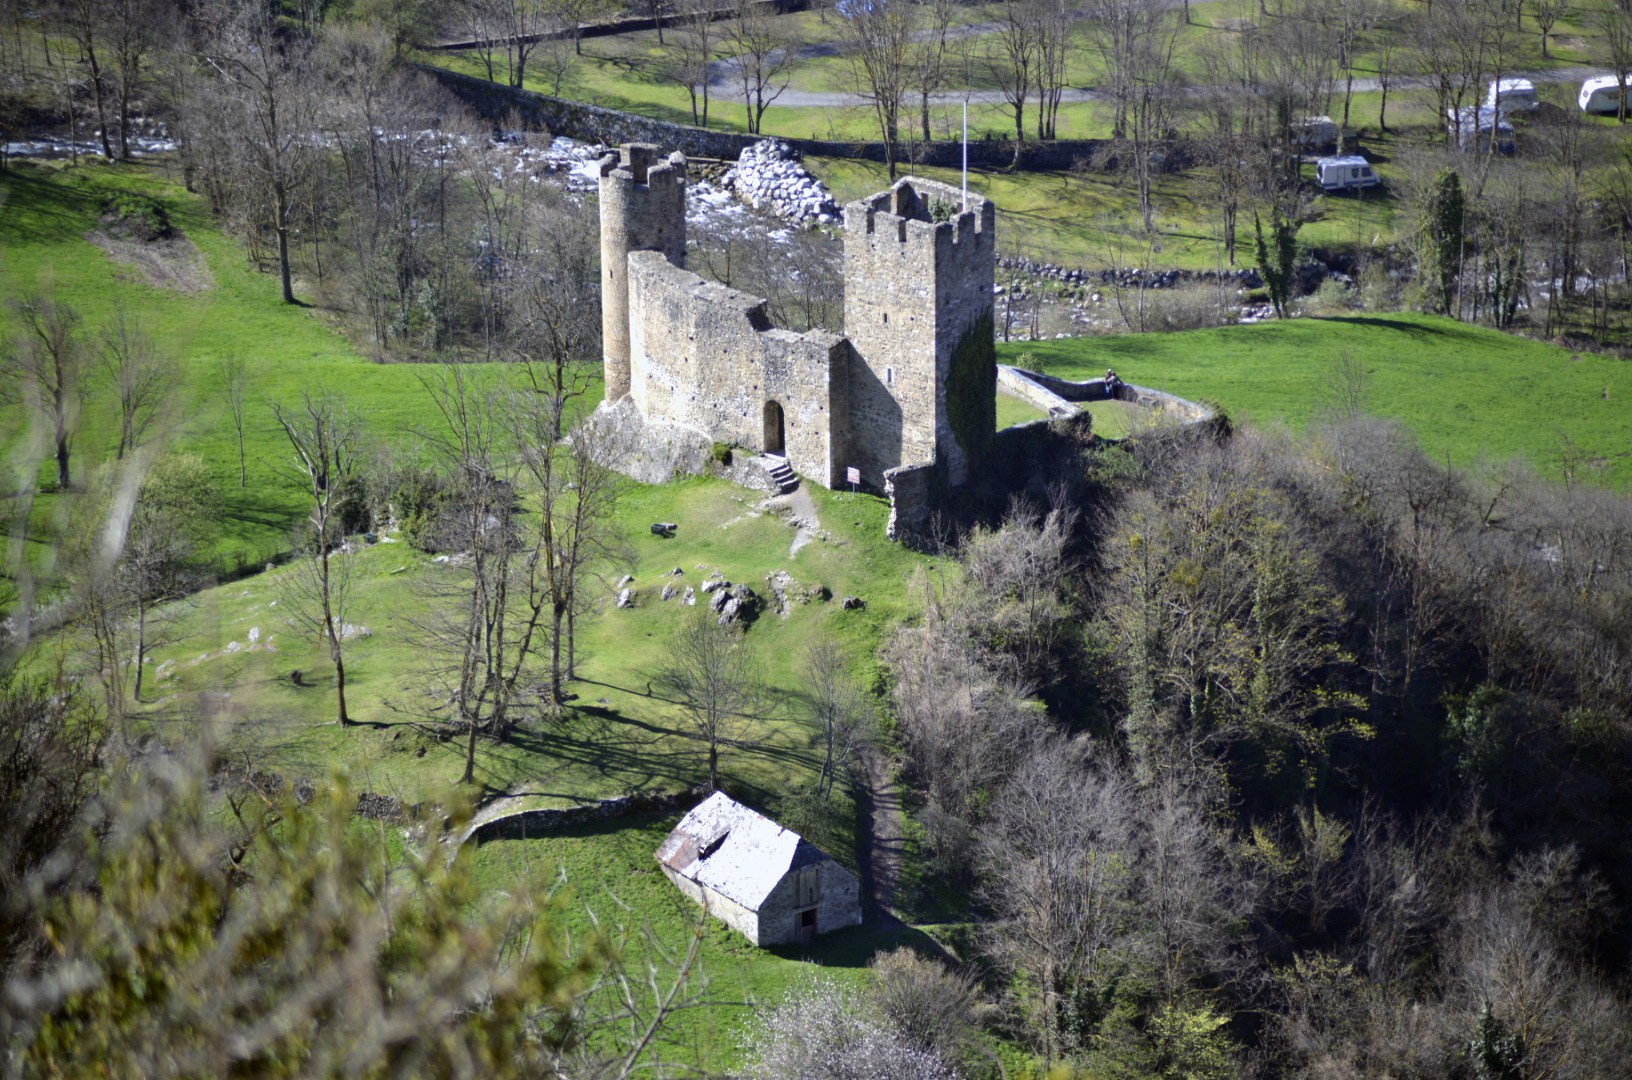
(918, 277)
(907, 398)
(643, 208)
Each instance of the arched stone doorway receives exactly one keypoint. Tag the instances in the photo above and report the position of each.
(775, 437)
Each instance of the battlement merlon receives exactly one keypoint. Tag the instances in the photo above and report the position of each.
(909, 210)
(642, 164)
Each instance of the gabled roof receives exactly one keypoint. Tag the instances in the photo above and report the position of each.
(737, 852)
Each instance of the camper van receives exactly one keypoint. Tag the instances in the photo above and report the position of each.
(1471, 127)
(1512, 96)
(1345, 173)
(1600, 94)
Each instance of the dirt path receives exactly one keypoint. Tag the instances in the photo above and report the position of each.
(804, 511)
(882, 835)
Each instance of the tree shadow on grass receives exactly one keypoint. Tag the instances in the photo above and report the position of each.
(42, 209)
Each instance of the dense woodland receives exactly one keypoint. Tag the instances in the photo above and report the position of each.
(1242, 754)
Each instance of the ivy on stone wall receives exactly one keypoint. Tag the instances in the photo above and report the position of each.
(971, 387)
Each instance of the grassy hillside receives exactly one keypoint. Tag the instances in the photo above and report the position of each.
(1467, 392)
(226, 308)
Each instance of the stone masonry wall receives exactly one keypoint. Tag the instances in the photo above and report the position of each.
(643, 208)
(723, 908)
(838, 904)
(706, 355)
(915, 288)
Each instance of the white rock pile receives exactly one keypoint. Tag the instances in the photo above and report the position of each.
(768, 176)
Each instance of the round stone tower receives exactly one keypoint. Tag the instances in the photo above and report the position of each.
(643, 208)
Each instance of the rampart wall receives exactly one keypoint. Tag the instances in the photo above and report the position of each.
(707, 356)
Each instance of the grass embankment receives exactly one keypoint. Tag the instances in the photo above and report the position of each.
(1468, 393)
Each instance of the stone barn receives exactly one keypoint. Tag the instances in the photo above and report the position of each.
(768, 882)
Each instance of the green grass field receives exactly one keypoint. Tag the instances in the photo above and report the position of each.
(630, 743)
(1468, 393)
(613, 881)
(49, 210)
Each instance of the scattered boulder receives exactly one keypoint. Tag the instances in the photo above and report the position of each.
(626, 581)
(669, 592)
(718, 600)
(715, 583)
(626, 598)
(690, 598)
(853, 603)
(664, 528)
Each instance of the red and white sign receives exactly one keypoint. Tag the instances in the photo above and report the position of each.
(852, 475)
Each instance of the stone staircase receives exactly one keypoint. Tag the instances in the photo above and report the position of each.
(776, 468)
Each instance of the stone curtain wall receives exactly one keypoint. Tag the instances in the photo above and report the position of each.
(596, 124)
(706, 355)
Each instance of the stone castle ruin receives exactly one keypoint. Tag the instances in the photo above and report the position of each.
(906, 398)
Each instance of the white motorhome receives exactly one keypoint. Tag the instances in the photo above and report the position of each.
(1345, 173)
(1512, 95)
(1600, 94)
(1471, 127)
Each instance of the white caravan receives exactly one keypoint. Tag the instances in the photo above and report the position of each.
(1345, 173)
(1471, 127)
(1600, 94)
(1512, 95)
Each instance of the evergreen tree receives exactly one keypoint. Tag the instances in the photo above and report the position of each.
(1277, 256)
(1441, 240)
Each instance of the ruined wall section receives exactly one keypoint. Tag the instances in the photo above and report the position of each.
(707, 356)
(919, 273)
(643, 208)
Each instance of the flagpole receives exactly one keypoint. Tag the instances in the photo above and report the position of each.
(966, 155)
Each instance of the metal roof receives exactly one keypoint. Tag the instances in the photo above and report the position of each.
(1352, 159)
(739, 853)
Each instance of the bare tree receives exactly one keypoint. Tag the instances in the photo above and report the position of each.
(325, 436)
(134, 30)
(576, 495)
(761, 49)
(1056, 867)
(931, 42)
(486, 605)
(691, 59)
(176, 511)
(141, 377)
(235, 388)
(877, 49)
(710, 673)
(268, 93)
(1012, 60)
(44, 369)
(1547, 14)
(839, 709)
(85, 20)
